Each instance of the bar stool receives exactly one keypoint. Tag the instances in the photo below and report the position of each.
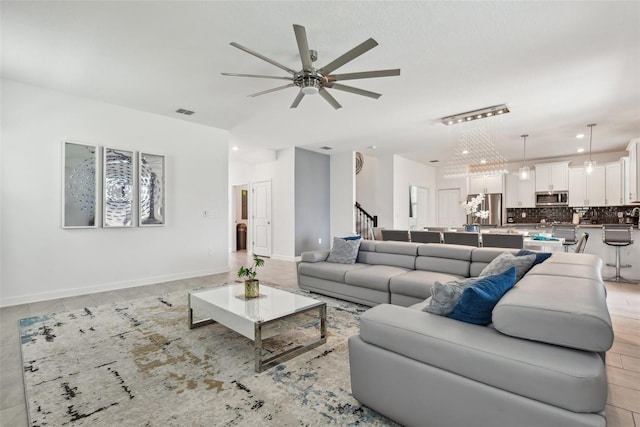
(566, 232)
(617, 236)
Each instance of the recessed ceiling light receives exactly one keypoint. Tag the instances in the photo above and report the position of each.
(483, 161)
(235, 148)
(580, 135)
(372, 147)
(580, 150)
(465, 151)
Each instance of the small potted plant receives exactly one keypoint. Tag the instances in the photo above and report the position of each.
(251, 284)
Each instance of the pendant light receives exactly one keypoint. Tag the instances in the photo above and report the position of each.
(590, 165)
(523, 172)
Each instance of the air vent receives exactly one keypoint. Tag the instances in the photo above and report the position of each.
(434, 161)
(326, 148)
(185, 112)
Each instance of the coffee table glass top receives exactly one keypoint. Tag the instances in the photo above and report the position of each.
(271, 304)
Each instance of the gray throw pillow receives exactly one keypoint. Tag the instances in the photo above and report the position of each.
(445, 297)
(344, 251)
(505, 261)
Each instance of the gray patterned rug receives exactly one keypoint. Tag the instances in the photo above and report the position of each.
(138, 364)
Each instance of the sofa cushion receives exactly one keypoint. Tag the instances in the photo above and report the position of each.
(562, 377)
(402, 248)
(443, 258)
(314, 256)
(344, 251)
(384, 258)
(418, 283)
(444, 297)
(505, 261)
(479, 299)
(327, 270)
(569, 270)
(565, 311)
(373, 276)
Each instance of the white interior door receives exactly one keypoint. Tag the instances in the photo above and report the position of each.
(261, 216)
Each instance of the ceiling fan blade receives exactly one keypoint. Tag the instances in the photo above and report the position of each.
(297, 100)
(271, 90)
(364, 75)
(330, 99)
(349, 56)
(355, 90)
(303, 47)
(259, 76)
(264, 58)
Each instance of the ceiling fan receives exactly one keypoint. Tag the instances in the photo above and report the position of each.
(313, 80)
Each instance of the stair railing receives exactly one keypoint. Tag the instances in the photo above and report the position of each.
(365, 222)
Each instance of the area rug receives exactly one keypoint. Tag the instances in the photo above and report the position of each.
(138, 364)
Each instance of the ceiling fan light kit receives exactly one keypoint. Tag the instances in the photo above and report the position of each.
(313, 81)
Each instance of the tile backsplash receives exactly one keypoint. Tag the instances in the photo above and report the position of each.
(601, 214)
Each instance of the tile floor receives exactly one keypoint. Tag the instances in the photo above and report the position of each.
(623, 360)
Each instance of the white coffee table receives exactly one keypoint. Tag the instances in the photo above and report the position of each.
(258, 318)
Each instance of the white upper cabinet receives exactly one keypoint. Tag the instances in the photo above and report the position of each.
(587, 190)
(485, 184)
(552, 176)
(520, 194)
(634, 171)
(615, 183)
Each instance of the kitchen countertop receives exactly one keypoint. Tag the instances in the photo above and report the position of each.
(550, 224)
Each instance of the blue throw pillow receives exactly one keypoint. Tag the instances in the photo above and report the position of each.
(540, 256)
(478, 300)
(357, 237)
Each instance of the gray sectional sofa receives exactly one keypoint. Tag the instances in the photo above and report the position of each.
(540, 363)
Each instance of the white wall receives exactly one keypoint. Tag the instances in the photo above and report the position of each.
(281, 173)
(407, 173)
(384, 192)
(366, 193)
(40, 260)
(343, 190)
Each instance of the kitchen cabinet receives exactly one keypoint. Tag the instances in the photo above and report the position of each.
(634, 171)
(520, 194)
(587, 190)
(615, 188)
(552, 176)
(485, 184)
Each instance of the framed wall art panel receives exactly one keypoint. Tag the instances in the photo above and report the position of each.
(151, 192)
(118, 188)
(80, 185)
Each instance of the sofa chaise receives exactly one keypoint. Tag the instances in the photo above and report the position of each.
(539, 363)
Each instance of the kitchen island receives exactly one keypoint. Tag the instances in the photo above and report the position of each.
(628, 254)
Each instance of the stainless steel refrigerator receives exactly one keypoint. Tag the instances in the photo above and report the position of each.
(492, 203)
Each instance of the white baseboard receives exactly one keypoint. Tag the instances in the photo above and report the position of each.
(103, 287)
(284, 257)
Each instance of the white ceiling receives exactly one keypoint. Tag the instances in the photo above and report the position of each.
(557, 65)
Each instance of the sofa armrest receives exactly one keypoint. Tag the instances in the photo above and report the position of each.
(314, 256)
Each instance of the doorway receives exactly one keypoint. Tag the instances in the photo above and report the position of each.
(240, 216)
